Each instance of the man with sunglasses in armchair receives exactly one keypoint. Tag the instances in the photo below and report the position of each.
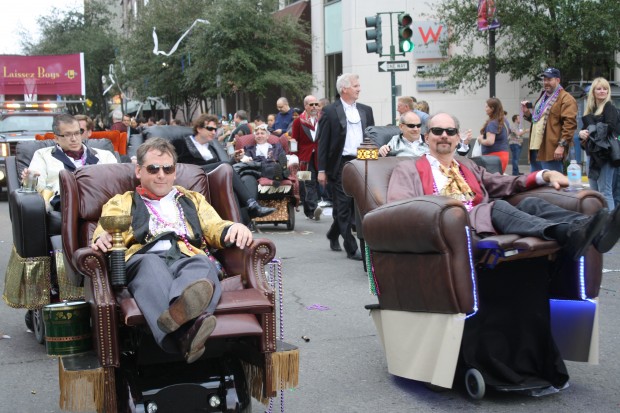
(439, 173)
(174, 282)
(408, 142)
(204, 150)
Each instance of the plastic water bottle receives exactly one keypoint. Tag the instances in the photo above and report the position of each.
(574, 176)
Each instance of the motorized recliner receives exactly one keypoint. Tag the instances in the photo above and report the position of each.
(136, 371)
(427, 266)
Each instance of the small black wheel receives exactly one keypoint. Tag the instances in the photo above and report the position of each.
(474, 384)
(28, 319)
(39, 326)
(290, 224)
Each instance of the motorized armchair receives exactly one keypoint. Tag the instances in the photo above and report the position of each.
(245, 315)
(283, 196)
(426, 263)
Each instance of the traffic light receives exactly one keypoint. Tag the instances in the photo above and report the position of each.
(405, 44)
(373, 32)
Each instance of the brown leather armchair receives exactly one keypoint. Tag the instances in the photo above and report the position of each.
(425, 271)
(246, 310)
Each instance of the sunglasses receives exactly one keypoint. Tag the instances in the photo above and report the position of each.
(210, 128)
(412, 125)
(313, 104)
(440, 131)
(154, 169)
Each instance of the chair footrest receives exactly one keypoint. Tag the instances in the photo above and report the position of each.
(235, 325)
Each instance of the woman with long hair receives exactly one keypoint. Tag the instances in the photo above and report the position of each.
(494, 134)
(600, 110)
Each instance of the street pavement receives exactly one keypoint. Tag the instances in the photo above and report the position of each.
(343, 367)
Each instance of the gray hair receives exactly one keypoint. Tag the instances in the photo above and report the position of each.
(345, 80)
(62, 118)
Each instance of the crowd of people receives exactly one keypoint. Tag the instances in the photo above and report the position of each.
(327, 136)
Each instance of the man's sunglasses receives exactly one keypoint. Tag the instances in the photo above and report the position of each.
(313, 104)
(210, 128)
(440, 131)
(154, 169)
(412, 125)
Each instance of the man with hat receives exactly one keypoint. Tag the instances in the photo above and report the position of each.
(554, 121)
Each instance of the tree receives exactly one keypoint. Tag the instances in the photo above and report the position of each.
(75, 32)
(250, 51)
(579, 37)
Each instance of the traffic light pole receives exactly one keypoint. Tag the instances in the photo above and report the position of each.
(393, 76)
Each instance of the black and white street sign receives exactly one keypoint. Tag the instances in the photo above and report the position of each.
(394, 66)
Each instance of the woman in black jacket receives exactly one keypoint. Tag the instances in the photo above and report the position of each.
(600, 124)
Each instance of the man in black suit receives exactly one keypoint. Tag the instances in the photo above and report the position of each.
(204, 150)
(341, 131)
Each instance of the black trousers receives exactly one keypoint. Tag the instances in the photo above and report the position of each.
(309, 190)
(531, 217)
(342, 212)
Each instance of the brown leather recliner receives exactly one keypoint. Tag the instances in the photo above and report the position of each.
(425, 263)
(246, 309)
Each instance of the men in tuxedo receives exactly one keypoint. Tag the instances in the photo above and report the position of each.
(305, 129)
(341, 131)
(439, 173)
(203, 149)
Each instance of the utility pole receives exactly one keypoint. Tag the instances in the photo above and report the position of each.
(492, 63)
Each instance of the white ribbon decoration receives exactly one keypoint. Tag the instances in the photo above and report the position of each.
(156, 50)
(112, 81)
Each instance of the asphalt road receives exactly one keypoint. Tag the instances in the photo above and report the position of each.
(342, 365)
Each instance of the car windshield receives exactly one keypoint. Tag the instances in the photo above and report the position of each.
(16, 123)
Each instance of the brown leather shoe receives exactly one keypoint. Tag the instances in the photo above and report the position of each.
(610, 234)
(192, 343)
(190, 304)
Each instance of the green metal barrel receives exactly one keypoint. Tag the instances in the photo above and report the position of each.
(67, 328)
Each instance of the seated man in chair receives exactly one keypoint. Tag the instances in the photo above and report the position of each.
(203, 149)
(69, 153)
(439, 173)
(173, 281)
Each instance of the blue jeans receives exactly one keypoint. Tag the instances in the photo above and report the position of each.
(536, 165)
(515, 152)
(605, 183)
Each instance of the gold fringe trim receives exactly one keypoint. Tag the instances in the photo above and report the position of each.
(80, 390)
(283, 367)
(67, 290)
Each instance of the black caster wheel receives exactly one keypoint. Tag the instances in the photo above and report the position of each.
(474, 384)
(39, 326)
(290, 225)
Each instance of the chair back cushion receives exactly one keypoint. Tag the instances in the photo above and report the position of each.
(171, 132)
(248, 140)
(381, 135)
(115, 137)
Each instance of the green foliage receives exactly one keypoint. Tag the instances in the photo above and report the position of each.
(572, 35)
(75, 32)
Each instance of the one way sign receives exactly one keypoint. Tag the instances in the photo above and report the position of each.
(400, 66)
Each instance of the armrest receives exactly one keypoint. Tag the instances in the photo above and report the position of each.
(29, 222)
(249, 262)
(425, 224)
(102, 300)
(585, 201)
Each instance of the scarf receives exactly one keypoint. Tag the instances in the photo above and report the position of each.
(543, 105)
(147, 194)
(76, 155)
(456, 187)
(306, 120)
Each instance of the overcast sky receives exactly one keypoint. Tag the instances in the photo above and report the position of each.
(23, 14)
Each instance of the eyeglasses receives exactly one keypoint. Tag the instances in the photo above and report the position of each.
(313, 104)
(412, 125)
(210, 128)
(263, 127)
(154, 169)
(71, 134)
(440, 131)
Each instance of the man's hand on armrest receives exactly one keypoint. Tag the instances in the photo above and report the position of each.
(238, 234)
(556, 179)
(103, 243)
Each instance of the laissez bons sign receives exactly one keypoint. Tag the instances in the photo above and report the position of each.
(42, 75)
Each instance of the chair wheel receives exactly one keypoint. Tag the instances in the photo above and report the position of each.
(474, 384)
(290, 224)
(28, 319)
(39, 327)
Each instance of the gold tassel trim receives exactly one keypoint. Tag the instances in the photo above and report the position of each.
(80, 390)
(27, 282)
(284, 369)
(254, 377)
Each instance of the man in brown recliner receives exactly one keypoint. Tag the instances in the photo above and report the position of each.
(439, 173)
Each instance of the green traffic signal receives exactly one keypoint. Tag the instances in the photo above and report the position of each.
(405, 33)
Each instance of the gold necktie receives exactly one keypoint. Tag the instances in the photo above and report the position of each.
(456, 187)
